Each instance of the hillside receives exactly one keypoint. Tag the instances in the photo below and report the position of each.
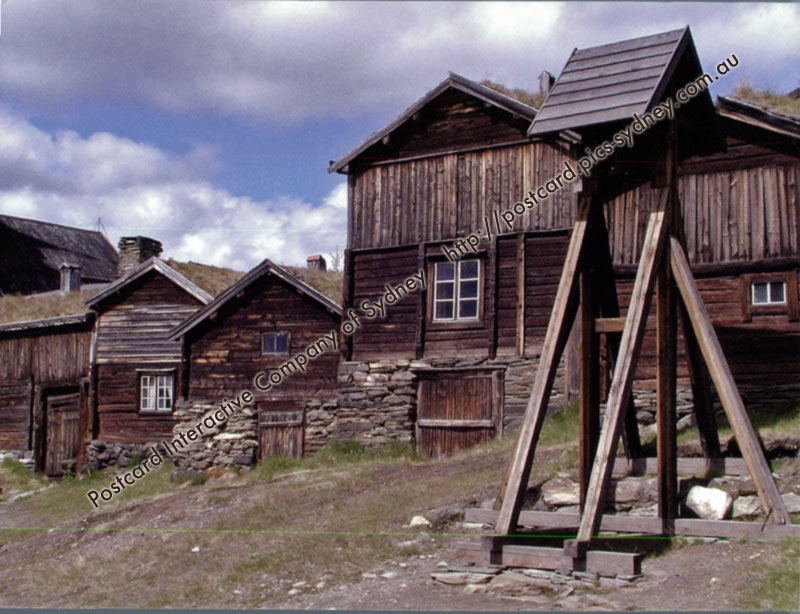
(332, 531)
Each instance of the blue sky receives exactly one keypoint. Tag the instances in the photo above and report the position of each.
(209, 125)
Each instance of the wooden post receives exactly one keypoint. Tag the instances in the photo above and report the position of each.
(618, 396)
(666, 415)
(521, 294)
(589, 382)
(726, 388)
(563, 313)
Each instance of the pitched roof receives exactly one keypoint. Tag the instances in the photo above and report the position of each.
(153, 264)
(57, 244)
(267, 267)
(612, 82)
(47, 323)
(757, 116)
(454, 81)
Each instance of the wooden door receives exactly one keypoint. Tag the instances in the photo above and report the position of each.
(280, 433)
(458, 409)
(63, 432)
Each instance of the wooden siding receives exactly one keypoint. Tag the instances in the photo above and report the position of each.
(133, 326)
(439, 197)
(31, 360)
(225, 353)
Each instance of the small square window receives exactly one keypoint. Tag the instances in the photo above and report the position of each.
(156, 392)
(768, 292)
(456, 290)
(275, 343)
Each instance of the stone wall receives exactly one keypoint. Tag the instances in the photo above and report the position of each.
(233, 443)
(101, 454)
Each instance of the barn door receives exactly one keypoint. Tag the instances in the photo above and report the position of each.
(62, 432)
(457, 410)
(280, 433)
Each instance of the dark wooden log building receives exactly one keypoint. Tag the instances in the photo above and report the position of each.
(136, 367)
(44, 387)
(440, 170)
(256, 325)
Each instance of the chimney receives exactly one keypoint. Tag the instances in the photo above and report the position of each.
(316, 263)
(546, 81)
(70, 277)
(135, 250)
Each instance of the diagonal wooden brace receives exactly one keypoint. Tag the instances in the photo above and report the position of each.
(619, 394)
(726, 387)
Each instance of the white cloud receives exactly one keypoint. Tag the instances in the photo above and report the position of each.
(289, 61)
(137, 188)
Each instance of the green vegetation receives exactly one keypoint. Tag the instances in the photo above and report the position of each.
(524, 96)
(327, 282)
(775, 103)
(212, 279)
(37, 307)
(780, 582)
(16, 478)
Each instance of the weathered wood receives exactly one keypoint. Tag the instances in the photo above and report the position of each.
(589, 382)
(520, 320)
(619, 394)
(726, 387)
(563, 313)
(610, 325)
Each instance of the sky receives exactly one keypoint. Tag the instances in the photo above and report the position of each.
(209, 124)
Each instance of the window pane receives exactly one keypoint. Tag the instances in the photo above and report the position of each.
(148, 392)
(165, 392)
(268, 344)
(445, 289)
(444, 271)
(777, 292)
(468, 289)
(444, 310)
(760, 293)
(468, 308)
(469, 269)
(282, 343)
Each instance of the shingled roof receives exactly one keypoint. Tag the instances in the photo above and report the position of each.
(612, 82)
(32, 252)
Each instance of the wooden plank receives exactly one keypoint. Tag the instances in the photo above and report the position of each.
(726, 387)
(521, 294)
(619, 394)
(443, 423)
(610, 325)
(566, 521)
(563, 313)
(614, 562)
(666, 414)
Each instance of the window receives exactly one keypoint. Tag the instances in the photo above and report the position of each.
(155, 392)
(768, 292)
(456, 290)
(274, 343)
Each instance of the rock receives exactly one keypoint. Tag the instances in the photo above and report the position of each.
(389, 575)
(320, 585)
(442, 564)
(196, 549)
(709, 503)
(792, 503)
(419, 521)
(471, 589)
(514, 582)
(459, 578)
(560, 491)
(727, 483)
(442, 516)
(369, 575)
(292, 592)
(746, 506)
(746, 486)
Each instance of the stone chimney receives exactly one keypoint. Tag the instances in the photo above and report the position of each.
(70, 277)
(546, 81)
(316, 263)
(135, 250)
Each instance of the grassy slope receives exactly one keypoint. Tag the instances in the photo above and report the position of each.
(775, 103)
(18, 308)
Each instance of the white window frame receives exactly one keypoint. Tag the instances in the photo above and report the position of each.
(768, 284)
(276, 333)
(457, 299)
(156, 392)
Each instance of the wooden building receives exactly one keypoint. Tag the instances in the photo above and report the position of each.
(44, 388)
(257, 325)
(136, 367)
(442, 168)
(32, 254)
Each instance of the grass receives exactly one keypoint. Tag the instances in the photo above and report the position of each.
(15, 308)
(524, 96)
(212, 279)
(779, 587)
(775, 103)
(327, 282)
(16, 478)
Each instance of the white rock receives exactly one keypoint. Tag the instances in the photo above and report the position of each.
(441, 564)
(471, 589)
(320, 585)
(292, 592)
(792, 503)
(369, 575)
(746, 506)
(709, 503)
(419, 521)
(458, 578)
(389, 575)
(560, 491)
(196, 549)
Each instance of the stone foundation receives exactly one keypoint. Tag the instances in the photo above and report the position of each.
(101, 454)
(234, 443)
(23, 457)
